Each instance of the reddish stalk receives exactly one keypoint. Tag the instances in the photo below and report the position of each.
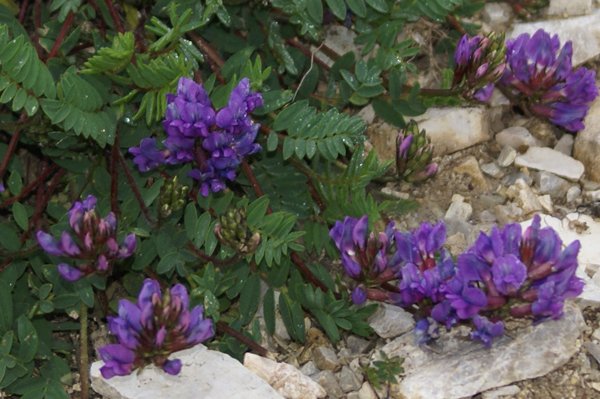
(61, 35)
(22, 12)
(207, 258)
(12, 146)
(114, 15)
(242, 338)
(41, 205)
(455, 24)
(134, 188)
(213, 59)
(37, 22)
(308, 54)
(30, 187)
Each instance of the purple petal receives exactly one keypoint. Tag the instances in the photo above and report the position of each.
(180, 292)
(149, 288)
(130, 313)
(172, 367)
(49, 244)
(69, 273)
(127, 248)
(359, 296)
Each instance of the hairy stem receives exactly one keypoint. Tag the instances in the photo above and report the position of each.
(456, 24)
(242, 338)
(115, 16)
(61, 35)
(83, 366)
(45, 173)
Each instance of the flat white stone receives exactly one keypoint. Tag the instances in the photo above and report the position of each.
(507, 156)
(493, 170)
(570, 7)
(459, 210)
(516, 137)
(463, 367)
(452, 129)
(496, 13)
(543, 158)
(286, 379)
(565, 144)
(549, 183)
(584, 32)
(205, 374)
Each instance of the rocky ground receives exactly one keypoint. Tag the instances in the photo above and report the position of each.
(496, 166)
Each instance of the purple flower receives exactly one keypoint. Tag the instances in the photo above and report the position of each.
(420, 245)
(545, 81)
(508, 274)
(469, 302)
(94, 242)
(486, 330)
(215, 141)
(2, 189)
(359, 295)
(153, 328)
(484, 93)
(147, 155)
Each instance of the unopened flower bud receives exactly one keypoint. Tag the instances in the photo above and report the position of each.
(414, 151)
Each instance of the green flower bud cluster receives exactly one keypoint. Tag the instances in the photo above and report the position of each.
(172, 197)
(233, 232)
(413, 154)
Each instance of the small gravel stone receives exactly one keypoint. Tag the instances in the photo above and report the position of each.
(331, 385)
(493, 170)
(353, 395)
(573, 194)
(459, 210)
(549, 183)
(357, 345)
(511, 179)
(348, 380)
(366, 392)
(593, 349)
(390, 321)
(507, 156)
(325, 358)
(516, 137)
(309, 369)
(565, 144)
(502, 392)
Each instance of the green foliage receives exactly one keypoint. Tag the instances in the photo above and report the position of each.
(112, 59)
(383, 371)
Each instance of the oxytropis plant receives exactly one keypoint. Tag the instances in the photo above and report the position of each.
(505, 273)
(152, 329)
(216, 141)
(95, 248)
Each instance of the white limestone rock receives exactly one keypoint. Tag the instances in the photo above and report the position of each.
(390, 321)
(543, 158)
(565, 144)
(458, 209)
(524, 197)
(496, 13)
(465, 368)
(516, 136)
(452, 129)
(286, 379)
(570, 7)
(507, 156)
(204, 374)
(470, 166)
(584, 32)
(587, 142)
(493, 170)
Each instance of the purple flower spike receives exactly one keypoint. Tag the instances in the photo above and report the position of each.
(95, 242)
(486, 330)
(153, 328)
(545, 80)
(469, 303)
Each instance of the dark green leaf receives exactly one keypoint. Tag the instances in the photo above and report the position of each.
(28, 339)
(250, 298)
(269, 310)
(20, 215)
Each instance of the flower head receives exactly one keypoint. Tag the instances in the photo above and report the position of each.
(94, 244)
(486, 330)
(543, 77)
(479, 63)
(153, 328)
(414, 151)
(216, 141)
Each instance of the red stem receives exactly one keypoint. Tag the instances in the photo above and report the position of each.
(30, 187)
(61, 35)
(41, 205)
(37, 22)
(135, 190)
(12, 146)
(22, 12)
(456, 25)
(242, 338)
(308, 54)
(115, 16)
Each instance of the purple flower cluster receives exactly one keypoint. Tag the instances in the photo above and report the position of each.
(216, 140)
(94, 244)
(507, 271)
(153, 328)
(544, 78)
(479, 63)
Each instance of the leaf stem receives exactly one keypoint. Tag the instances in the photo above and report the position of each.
(30, 187)
(83, 366)
(242, 338)
(114, 15)
(456, 24)
(12, 146)
(61, 35)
